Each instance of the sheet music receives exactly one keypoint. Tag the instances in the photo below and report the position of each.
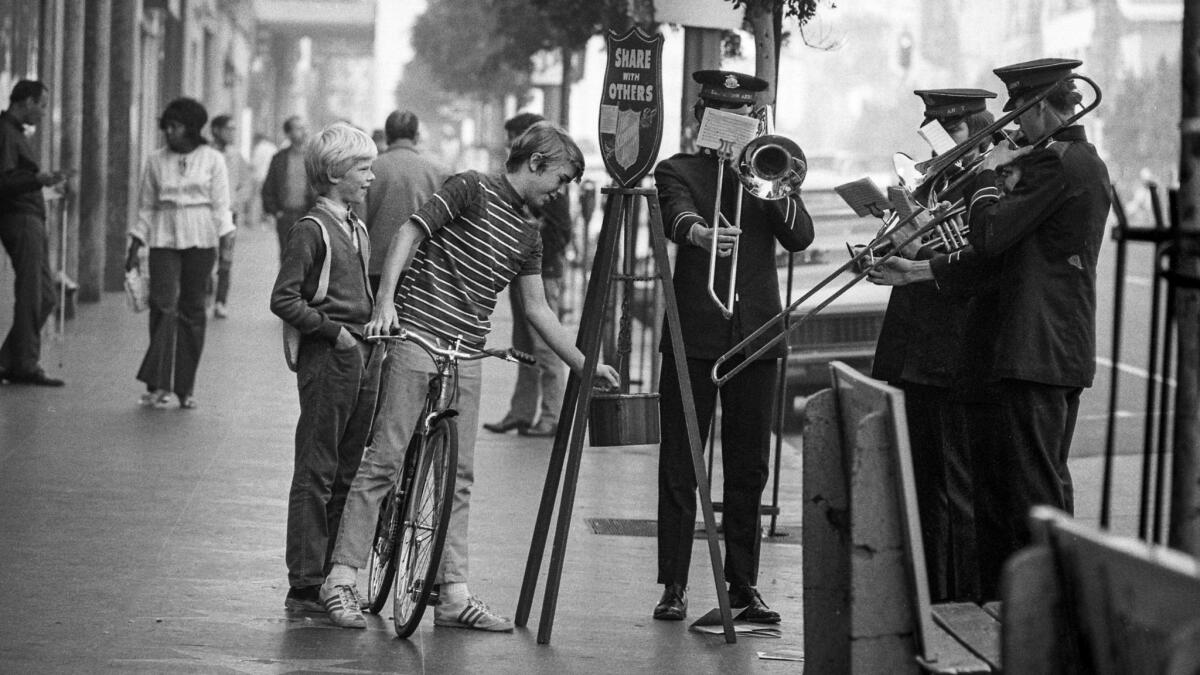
(900, 202)
(718, 125)
(936, 136)
(863, 194)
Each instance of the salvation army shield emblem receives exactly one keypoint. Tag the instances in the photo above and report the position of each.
(631, 105)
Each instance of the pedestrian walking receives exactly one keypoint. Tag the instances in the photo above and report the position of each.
(224, 133)
(405, 178)
(183, 211)
(286, 194)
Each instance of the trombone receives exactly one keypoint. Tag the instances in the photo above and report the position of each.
(768, 167)
(938, 171)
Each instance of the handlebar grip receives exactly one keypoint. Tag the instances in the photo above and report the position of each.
(521, 356)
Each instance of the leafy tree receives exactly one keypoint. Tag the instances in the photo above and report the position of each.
(765, 20)
(462, 42)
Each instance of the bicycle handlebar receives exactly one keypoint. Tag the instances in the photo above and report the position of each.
(456, 352)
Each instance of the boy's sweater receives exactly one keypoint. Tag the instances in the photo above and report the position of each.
(348, 301)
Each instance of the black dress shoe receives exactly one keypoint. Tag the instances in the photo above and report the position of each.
(37, 377)
(756, 611)
(672, 606)
(505, 425)
(541, 429)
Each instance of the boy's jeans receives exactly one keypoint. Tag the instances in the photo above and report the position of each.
(338, 388)
(405, 380)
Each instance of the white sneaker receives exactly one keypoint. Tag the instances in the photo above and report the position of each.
(344, 606)
(219, 310)
(472, 614)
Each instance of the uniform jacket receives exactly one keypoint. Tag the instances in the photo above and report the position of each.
(922, 338)
(686, 191)
(1040, 323)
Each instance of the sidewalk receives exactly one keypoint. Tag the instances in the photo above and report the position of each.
(152, 540)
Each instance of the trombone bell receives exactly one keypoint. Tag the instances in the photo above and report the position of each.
(771, 167)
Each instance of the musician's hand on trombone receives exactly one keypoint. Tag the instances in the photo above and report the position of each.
(702, 236)
(1003, 155)
(905, 233)
(894, 271)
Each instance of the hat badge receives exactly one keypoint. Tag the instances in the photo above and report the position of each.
(731, 82)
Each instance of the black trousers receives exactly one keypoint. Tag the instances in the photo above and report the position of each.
(1020, 439)
(24, 237)
(747, 407)
(942, 466)
(178, 281)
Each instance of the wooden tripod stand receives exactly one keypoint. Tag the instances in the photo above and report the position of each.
(568, 442)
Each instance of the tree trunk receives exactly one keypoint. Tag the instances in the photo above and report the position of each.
(1184, 524)
(766, 65)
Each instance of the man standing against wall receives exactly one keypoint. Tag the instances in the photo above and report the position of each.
(285, 191)
(23, 231)
(404, 179)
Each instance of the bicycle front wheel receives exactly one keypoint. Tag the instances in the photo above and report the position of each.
(381, 564)
(423, 528)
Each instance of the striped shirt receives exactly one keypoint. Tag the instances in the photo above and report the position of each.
(477, 240)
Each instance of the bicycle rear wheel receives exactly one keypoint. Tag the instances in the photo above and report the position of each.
(423, 528)
(381, 564)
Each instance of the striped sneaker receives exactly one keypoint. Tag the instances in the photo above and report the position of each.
(472, 614)
(344, 607)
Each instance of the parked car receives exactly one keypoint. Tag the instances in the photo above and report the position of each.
(848, 327)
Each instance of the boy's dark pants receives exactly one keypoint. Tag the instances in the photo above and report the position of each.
(338, 389)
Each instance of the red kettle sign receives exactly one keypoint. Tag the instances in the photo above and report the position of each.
(631, 106)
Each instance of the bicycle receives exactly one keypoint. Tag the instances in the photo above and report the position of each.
(413, 517)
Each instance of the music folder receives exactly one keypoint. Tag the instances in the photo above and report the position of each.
(864, 196)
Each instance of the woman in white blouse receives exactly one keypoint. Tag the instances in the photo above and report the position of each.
(183, 213)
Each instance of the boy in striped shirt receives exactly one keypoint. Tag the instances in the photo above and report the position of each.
(458, 252)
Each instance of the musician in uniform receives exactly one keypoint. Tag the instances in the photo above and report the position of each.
(919, 351)
(1033, 338)
(687, 186)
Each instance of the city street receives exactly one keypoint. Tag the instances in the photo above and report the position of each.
(150, 541)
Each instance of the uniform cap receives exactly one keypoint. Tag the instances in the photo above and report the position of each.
(945, 104)
(728, 87)
(1032, 76)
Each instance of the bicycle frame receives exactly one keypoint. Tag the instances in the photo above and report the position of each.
(413, 570)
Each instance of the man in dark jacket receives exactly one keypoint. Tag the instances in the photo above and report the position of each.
(687, 185)
(1031, 339)
(23, 231)
(286, 194)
